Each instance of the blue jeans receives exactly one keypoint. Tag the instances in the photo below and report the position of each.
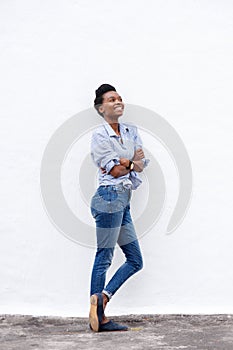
(110, 206)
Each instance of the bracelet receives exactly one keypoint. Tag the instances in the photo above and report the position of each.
(131, 165)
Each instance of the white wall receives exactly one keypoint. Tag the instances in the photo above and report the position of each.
(174, 57)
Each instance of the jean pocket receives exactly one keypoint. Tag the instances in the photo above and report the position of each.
(107, 194)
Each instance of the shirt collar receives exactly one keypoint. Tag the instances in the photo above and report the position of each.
(110, 130)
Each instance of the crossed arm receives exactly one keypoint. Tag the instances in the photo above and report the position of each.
(120, 170)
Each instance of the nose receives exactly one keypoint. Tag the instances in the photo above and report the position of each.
(119, 102)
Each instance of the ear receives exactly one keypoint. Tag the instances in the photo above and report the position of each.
(101, 109)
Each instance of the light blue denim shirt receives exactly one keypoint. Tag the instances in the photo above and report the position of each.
(107, 149)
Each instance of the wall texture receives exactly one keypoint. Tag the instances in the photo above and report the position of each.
(173, 57)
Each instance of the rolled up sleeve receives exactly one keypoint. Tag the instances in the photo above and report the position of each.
(138, 145)
(102, 152)
(111, 164)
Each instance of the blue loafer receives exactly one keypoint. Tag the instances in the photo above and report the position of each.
(111, 327)
(96, 311)
(100, 307)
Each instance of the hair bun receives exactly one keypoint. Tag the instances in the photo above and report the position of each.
(102, 89)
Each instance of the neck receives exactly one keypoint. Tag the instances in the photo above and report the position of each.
(113, 123)
(115, 127)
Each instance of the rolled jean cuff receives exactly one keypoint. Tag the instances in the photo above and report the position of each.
(108, 294)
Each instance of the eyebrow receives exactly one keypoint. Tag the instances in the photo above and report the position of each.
(113, 97)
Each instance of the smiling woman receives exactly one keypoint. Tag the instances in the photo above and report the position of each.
(116, 149)
(112, 105)
(107, 101)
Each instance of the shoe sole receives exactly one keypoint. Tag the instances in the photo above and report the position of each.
(93, 317)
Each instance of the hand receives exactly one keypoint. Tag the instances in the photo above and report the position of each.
(139, 154)
(124, 162)
(103, 171)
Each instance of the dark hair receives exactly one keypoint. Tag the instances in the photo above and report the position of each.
(102, 89)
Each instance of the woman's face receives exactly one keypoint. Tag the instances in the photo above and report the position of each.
(112, 105)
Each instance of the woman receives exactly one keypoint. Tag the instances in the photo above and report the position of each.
(116, 149)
